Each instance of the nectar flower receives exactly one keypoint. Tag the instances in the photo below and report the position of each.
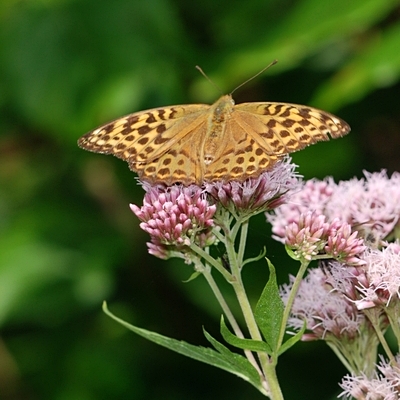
(345, 278)
(373, 201)
(175, 217)
(353, 282)
(312, 195)
(331, 316)
(328, 314)
(383, 273)
(311, 236)
(255, 195)
(383, 385)
(306, 237)
(343, 244)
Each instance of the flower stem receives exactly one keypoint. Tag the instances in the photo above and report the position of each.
(268, 375)
(212, 261)
(373, 316)
(267, 364)
(242, 243)
(227, 311)
(392, 311)
(341, 357)
(290, 300)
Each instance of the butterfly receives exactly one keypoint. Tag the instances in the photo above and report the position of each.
(197, 143)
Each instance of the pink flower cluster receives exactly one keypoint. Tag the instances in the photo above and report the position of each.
(323, 211)
(375, 284)
(384, 385)
(256, 195)
(383, 273)
(372, 202)
(311, 235)
(175, 217)
(311, 196)
(328, 313)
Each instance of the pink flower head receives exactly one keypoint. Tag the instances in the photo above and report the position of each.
(383, 384)
(175, 217)
(306, 237)
(311, 196)
(255, 194)
(328, 313)
(373, 202)
(311, 236)
(346, 278)
(374, 284)
(383, 273)
(343, 244)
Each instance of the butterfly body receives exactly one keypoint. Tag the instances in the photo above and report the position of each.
(220, 113)
(197, 143)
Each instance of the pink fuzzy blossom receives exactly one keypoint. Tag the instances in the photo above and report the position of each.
(331, 316)
(256, 195)
(374, 284)
(343, 244)
(310, 196)
(307, 236)
(383, 385)
(372, 202)
(311, 236)
(175, 217)
(383, 274)
(328, 313)
(346, 279)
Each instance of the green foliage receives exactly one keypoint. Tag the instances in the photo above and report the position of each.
(269, 311)
(67, 238)
(245, 344)
(223, 358)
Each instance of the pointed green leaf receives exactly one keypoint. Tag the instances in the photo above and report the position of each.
(375, 65)
(293, 340)
(226, 360)
(255, 259)
(269, 310)
(241, 364)
(192, 277)
(245, 344)
(291, 253)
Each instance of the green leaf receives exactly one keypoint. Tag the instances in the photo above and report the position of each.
(223, 358)
(192, 277)
(291, 253)
(293, 340)
(269, 310)
(241, 364)
(306, 28)
(374, 66)
(245, 344)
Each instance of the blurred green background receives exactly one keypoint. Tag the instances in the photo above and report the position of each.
(68, 239)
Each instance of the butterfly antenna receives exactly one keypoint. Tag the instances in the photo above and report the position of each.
(255, 76)
(209, 80)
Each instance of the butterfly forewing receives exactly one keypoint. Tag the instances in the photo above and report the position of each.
(282, 128)
(180, 163)
(144, 135)
(201, 143)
